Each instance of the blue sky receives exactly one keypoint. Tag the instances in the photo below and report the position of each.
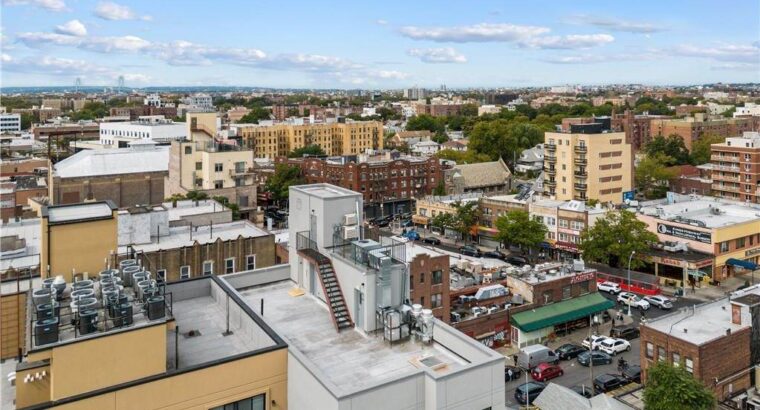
(388, 44)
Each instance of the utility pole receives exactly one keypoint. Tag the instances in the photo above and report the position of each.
(629, 281)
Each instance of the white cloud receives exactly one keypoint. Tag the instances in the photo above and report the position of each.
(52, 5)
(381, 22)
(437, 55)
(51, 65)
(722, 52)
(125, 44)
(111, 11)
(72, 28)
(310, 62)
(646, 55)
(483, 32)
(735, 67)
(572, 41)
(614, 24)
(37, 39)
(187, 53)
(388, 74)
(131, 78)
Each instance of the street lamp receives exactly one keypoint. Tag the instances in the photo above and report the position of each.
(629, 280)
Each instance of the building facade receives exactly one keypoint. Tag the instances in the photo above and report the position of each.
(10, 122)
(146, 128)
(585, 166)
(736, 168)
(335, 138)
(692, 128)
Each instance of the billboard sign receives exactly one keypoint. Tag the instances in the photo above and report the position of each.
(690, 234)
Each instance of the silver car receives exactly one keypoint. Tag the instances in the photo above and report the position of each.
(660, 301)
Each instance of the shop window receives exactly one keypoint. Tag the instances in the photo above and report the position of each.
(584, 286)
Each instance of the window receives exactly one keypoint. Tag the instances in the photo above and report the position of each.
(584, 287)
(422, 277)
(250, 262)
(650, 350)
(661, 356)
(240, 167)
(422, 300)
(676, 359)
(437, 277)
(184, 272)
(218, 167)
(689, 365)
(208, 268)
(161, 275)
(724, 246)
(740, 243)
(229, 265)
(198, 166)
(566, 292)
(251, 403)
(435, 300)
(218, 184)
(547, 296)
(188, 150)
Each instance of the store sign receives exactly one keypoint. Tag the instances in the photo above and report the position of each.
(583, 277)
(752, 252)
(677, 231)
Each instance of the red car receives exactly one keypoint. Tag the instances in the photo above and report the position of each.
(546, 371)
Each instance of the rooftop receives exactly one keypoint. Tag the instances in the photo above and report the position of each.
(29, 230)
(78, 212)
(702, 211)
(190, 207)
(114, 161)
(350, 360)
(325, 191)
(701, 323)
(184, 236)
(482, 174)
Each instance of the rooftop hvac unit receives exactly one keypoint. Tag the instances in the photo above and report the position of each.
(350, 232)
(349, 219)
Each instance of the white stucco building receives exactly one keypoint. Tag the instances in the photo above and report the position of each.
(10, 122)
(153, 128)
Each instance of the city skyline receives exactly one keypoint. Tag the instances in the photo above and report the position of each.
(389, 45)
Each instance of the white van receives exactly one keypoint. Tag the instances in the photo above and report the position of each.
(533, 355)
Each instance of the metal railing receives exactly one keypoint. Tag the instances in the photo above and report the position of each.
(581, 173)
(581, 148)
(550, 147)
(304, 241)
(581, 187)
(725, 158)
(718, 187)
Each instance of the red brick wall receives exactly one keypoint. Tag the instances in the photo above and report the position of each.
(421, 283)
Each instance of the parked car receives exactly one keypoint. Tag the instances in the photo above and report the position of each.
(599, 358)
(628, 298)
(546, 371)
(431, 240)
(608, 382)
(625, 332)
(584, 391)
(528, 392)
(494, 254)
(470, 250)
(517, 260)
(407, 223)
(632, 374)
(512, 373)
(382, 223)
(609, 287)
(660, 301)
(569, 351)
(592, 342)
(614, 346)
(531, 356)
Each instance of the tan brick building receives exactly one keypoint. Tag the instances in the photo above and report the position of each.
(692, 128)
(335, 138)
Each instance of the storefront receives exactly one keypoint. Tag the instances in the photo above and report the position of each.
(543, 323)
(680, 269)
(487, 237)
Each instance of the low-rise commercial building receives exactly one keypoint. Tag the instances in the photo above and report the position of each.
(133, 113)
(126, 176)
(431, 206)
(717, 342)
(146, 128)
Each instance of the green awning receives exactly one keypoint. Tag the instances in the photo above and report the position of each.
(560, 312)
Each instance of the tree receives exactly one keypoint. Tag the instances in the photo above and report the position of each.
(462, 157)
(673, 388)
(517, 228)
(232, 206)
(439, 189)
(26, 121)
(672, 146)
(613, 237)
(308, 150)
(466, 216)
(279, 183)
(469, 110)
(256, 114)
(426, 122)
(504, 139)
(729, 113)
(91, 111)
(652, 175)
(701, 148)
(442, 221)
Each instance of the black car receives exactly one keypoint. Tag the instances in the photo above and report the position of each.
(512, 373)
(528, 392)
(382, 223)
(469, 250)
(632, 373)
(584, 391)
(598, 357)
(608, 382)
(568, 351)
(517, 261)
(494, 254)
(431, 240)
(625, 332)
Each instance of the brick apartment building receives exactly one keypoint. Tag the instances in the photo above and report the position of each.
(636, 127)
(142, 110)
(86, 131)
(736, 168)
(692, 128)
(388, 186)
(438, 110)
(691, 180)
(714, 341)
(429, 283)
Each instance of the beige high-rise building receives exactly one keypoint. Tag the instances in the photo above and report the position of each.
(587, 166)
(337, 138)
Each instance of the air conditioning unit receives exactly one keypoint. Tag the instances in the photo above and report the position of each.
(349, 219)
(350, 232)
